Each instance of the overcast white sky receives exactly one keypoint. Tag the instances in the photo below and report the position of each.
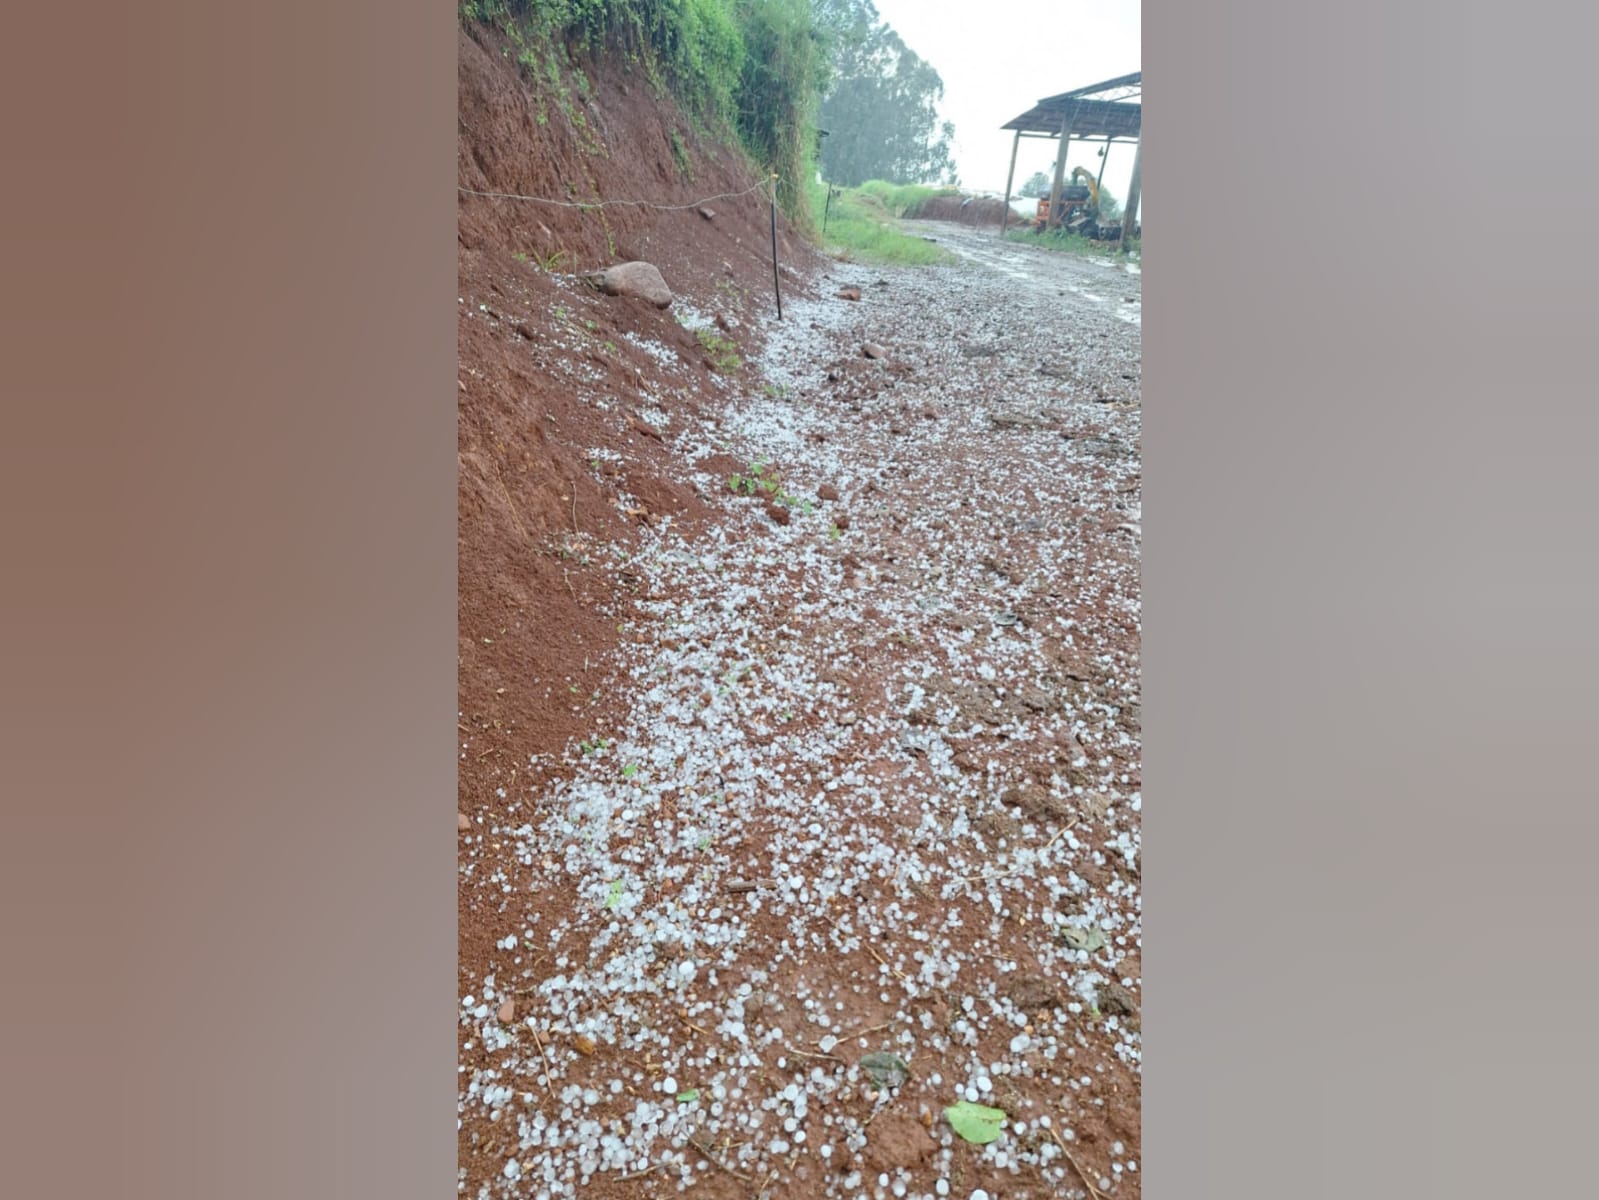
(999, 58)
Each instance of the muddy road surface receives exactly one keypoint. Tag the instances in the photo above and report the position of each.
(855, 836)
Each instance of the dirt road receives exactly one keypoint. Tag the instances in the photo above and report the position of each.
(871, 785)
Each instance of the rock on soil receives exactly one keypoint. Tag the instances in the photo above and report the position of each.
(640, 279)
(1115, 1000)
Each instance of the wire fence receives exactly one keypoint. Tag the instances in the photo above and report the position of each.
(769, 185)
(591, 204)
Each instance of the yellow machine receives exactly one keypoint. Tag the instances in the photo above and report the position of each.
(1081, 198)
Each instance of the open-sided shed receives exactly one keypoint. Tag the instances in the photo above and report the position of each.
(1110, 110)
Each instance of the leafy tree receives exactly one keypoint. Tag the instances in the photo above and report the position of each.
(1037, 185)
(881, 111)
(1110, 208)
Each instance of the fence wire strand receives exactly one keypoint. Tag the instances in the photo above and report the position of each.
(587, 204)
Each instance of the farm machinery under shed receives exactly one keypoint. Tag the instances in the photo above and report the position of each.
(1079, 204)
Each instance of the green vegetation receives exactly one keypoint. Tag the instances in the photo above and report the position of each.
(1038, 184)
(881, 112)
(762, 482)
(1070, 243)
(904, 200)
(680, 157)
(862, 226)
(722, 352)
(750, 70)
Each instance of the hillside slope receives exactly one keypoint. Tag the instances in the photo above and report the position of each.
(551, 371)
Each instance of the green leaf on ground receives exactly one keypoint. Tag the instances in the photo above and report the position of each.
(975, 1122)
(1078, 938)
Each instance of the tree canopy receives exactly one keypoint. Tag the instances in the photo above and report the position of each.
(880, 111)
(1037, 185)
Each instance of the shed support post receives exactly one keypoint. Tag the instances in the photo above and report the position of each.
(1130, 217)
(1004, 217)
(1060, 172)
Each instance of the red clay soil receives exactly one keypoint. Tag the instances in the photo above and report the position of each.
(547, 374)
(528, 495)
(961, 209)
(561, 469)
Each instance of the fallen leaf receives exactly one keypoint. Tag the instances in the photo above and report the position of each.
(885, 1070)
(1078, 938)
(975, 1122)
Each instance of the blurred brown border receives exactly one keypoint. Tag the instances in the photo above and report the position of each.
(228, 469)
(229, 325)
(1370, 592)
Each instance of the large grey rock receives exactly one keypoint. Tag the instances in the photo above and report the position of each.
(634, 279)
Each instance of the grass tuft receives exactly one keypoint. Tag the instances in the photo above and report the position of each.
(862, 227)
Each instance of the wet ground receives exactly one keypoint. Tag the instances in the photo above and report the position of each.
(861, 839)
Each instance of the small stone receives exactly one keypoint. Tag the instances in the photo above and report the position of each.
(1117, 1001)
(873, 350)
(849, 293)
(584, 1044)
(827, 492)
(708, 213)
(507, 1012)
(462, 822)
(1037, 801)
(1035, 698)
(634, 279)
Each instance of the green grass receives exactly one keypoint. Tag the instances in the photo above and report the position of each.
(723, 352)
(863, 228)
(903, 200)
(1072, 244)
